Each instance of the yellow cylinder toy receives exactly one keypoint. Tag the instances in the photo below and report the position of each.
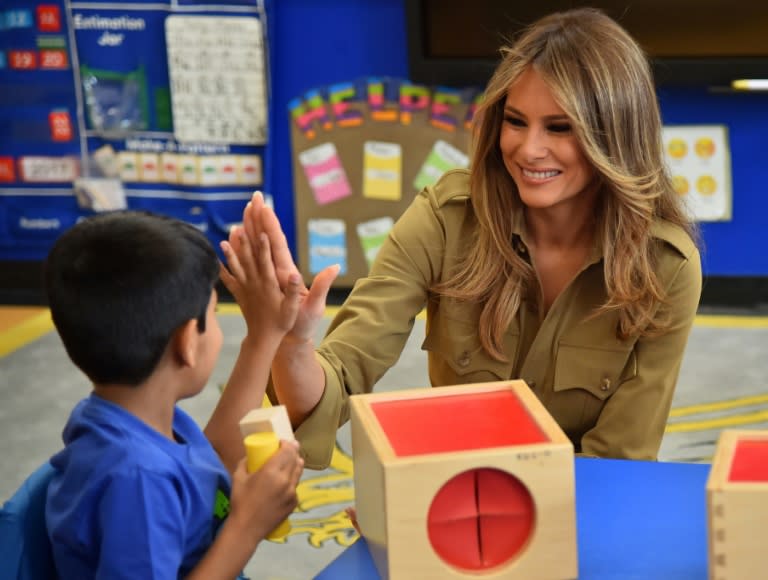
(258, 448)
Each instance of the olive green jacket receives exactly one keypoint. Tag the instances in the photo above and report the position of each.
(611, 397)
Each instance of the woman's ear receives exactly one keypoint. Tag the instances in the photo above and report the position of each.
(185, 343)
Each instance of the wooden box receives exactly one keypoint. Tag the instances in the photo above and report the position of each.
(737, 506)
(468, 481)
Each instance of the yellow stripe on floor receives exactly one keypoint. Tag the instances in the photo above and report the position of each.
(721, 321)
(29, 329)
(718, 423)
(719, 406)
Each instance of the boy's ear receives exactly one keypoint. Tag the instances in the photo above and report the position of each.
(185, 343)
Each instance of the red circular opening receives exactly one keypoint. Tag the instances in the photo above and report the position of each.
(480, 519)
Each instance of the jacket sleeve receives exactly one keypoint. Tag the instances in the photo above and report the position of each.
(632, 422)
(368, 334)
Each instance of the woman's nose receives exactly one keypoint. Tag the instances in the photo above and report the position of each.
(534, 144)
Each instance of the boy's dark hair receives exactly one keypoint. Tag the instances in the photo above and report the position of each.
(119, 284)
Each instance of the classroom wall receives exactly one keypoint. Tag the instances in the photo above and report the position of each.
(318, 43)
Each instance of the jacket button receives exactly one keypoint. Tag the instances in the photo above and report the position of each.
(464, 359)
(606, 384)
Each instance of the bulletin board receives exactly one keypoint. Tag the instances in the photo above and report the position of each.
(157, 105)
(361, 151)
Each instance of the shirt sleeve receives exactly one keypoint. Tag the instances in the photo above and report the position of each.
(369, 332)
(632, 422)
(141, 528)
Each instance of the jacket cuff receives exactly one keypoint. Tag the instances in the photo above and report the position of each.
(317, 433)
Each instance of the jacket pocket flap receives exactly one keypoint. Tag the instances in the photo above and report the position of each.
(457, 343)
(599, 371)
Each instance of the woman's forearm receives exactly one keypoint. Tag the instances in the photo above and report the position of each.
(298, 378)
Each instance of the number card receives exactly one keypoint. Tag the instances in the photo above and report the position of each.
(218, 80)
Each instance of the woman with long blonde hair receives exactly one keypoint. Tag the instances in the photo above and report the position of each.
(562, 257)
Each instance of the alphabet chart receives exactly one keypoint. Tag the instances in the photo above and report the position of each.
(218, 79)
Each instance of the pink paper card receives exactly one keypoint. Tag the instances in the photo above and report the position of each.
(325, 173)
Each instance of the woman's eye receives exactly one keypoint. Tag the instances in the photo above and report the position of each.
(514, 121)
(560, 128)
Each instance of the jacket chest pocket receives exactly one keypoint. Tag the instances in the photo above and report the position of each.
(584, 379)
(456, 356)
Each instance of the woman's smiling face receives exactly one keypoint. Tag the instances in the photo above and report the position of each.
(539, 147)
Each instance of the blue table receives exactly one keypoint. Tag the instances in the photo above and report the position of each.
(635, 520)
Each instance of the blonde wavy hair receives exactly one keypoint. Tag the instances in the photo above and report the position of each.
(602, 80)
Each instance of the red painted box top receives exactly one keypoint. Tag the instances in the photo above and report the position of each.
(750, 461)
(464, 422)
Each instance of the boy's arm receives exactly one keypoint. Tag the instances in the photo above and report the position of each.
(269, 313)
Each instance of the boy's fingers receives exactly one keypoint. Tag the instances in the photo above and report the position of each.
(284, 457)
(297, 471)
(246, 257)
(235, 268)
(233, 239)
(226, 278)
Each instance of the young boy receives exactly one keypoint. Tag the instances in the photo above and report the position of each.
(141, 491)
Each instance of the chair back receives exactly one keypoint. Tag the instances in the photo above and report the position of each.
(25, 550)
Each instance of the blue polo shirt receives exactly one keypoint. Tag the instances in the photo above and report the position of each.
(127, 502)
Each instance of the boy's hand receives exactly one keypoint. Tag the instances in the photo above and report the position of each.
(258, 219)
(252, 280)
(263, 499)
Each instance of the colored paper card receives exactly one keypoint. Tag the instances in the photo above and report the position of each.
(149, 167)
(441, 158)
(699, 160)
(129, 165)
(227, 169)
(169, 167)
(382, 170)
(372, 235)
(188, 170)
(250, 169)
(209, 170)
(325, 173)
(327, 244)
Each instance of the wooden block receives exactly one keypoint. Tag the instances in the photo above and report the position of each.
(464, 482)
(737, 505)
(273, 418)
